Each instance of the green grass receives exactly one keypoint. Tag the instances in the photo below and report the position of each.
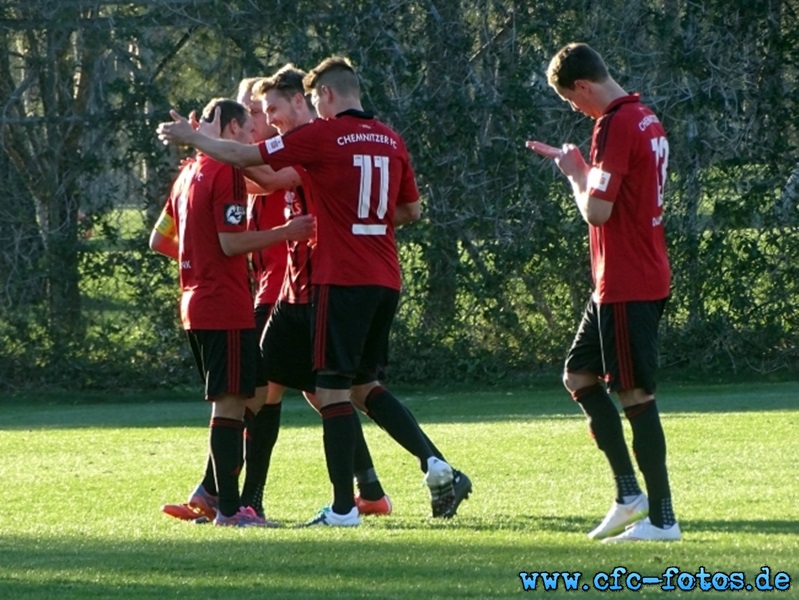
(83, 479)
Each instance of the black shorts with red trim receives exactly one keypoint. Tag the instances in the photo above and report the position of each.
(262, 312)
(619, 343)
(226, 360)
(352, 329)
(287, 346)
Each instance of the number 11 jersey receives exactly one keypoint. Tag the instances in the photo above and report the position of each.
(359, 171)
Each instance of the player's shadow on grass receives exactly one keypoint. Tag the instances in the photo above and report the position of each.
(308, 564)
(266, 564)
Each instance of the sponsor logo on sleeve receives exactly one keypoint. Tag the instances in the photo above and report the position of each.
(598, 179)
(234, 214)
(274, 144)
(647, 121)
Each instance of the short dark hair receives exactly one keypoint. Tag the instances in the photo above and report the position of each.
(336, 72)
(230, 110)
(287, 82)
(576, 61)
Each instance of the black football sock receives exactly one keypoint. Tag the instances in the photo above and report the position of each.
(248, 417)
(390, 414)
(260, 435)
(649, 446)
(605, 425)
(339, 443)
(226, 452)
(209, 479)
(436, 452)
(365, 475)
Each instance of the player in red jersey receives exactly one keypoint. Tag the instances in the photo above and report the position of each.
(291, 357)
(203, 227)
(267, 268)
(363, 186)
(619, 193)
(265, 210)
(286, 342)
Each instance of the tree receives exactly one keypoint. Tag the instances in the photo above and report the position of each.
(497, 270)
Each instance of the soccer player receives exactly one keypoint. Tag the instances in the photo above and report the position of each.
(286, 344)
(362, 186)
(291, 355)
(619, 193)
(264, 211)
(203, 227)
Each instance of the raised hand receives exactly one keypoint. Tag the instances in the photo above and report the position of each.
(178, 131)
(544, 149)
(213, 128)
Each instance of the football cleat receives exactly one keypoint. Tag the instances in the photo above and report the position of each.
(445, 500)
(644, 531)
(200, 508)
(620, 516)
(373, 507)
(245, 517)
(327, 518)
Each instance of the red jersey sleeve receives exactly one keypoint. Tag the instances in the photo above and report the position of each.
(304, 147)
(229, 200)
(608, 168)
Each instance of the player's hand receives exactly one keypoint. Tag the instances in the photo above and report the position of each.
(571, 161)
(178, 131)
(544, 149)
(300, 228)
(212, 129)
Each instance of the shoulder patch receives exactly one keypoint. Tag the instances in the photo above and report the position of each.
(274, 144)
(234, 214)
(598, 179)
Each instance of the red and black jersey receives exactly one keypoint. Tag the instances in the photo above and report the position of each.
(269, 264)
(359, 170)
(629, 161)
(298, 281)
(208, 198)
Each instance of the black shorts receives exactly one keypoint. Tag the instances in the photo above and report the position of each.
(262, 312)
(618, 342)
(287, 346)
(352, 329)
(226, 360)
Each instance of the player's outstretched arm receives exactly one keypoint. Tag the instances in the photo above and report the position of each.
(179, 131)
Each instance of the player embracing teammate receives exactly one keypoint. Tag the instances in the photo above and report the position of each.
(360, 185)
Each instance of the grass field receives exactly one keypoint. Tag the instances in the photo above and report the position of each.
(83, 480)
